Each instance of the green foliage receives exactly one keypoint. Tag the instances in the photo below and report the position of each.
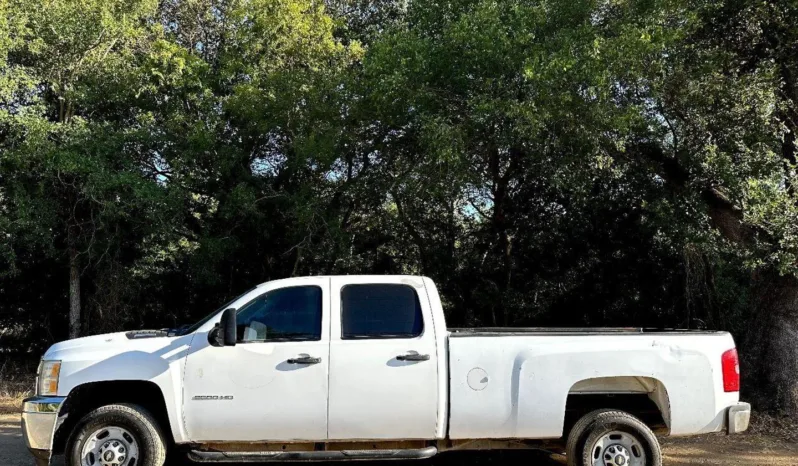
(545, 161)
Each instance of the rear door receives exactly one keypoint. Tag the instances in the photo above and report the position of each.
(383, 361)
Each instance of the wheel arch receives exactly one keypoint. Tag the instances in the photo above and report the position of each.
(644, 397)
(86, 397)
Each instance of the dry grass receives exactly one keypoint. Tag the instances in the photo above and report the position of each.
(11, 395)
(16, 384)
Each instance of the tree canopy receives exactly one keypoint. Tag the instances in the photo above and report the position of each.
(546, 162)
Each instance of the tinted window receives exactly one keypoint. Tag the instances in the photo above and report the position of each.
(284, 314)
(380, 311)
(199, 324)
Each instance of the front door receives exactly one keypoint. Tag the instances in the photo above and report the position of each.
(271, 386)
(383, 361)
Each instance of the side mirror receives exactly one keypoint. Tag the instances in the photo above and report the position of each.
(224, 333)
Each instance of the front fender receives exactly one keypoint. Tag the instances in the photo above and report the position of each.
(146, 371)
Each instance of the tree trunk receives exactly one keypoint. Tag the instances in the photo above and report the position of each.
(770, 347)
(501, 227)
(769, 351)
(74, 293)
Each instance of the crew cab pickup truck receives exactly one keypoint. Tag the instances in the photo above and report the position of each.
(363, 367)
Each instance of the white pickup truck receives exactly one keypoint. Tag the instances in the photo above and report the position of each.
(363, 367)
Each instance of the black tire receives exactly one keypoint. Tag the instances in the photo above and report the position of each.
(591, 427)
(134, 419)
(576, 437)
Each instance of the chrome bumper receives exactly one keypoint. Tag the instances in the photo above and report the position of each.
(39, 417)
(738, 417)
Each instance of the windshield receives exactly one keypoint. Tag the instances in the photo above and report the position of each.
(205, 319)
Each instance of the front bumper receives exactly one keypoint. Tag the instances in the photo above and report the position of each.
(738, 417)
(39, 418)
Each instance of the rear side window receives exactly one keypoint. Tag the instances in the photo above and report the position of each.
(284, 314)
(380, 311)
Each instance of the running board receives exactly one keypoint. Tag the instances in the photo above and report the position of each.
(336, 455)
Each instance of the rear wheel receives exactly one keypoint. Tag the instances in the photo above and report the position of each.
(612, 438)
(117, 435)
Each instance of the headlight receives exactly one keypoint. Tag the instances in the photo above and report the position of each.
(47, 384)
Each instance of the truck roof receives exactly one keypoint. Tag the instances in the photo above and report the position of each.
(359, 277)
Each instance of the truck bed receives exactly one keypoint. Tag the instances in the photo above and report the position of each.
(515, 382)
(557, 331)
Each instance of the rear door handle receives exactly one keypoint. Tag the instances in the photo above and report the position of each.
(413, 357)
(304, 360)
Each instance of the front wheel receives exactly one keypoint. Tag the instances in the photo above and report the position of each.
(612, 438)
(117, 435)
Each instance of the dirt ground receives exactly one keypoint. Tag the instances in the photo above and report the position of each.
(750, 449)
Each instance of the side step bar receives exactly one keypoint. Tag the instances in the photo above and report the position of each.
(337, 455)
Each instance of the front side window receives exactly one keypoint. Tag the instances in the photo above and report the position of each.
(284, 314)
(196, 326)
(380, 311)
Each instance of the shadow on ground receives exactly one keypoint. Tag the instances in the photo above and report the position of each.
(12, 445)
(469, 458)
(464, 458)
(14, 453)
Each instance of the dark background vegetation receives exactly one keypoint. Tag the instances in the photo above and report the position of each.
(546, 162)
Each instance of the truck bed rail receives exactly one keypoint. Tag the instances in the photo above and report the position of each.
(559, 331)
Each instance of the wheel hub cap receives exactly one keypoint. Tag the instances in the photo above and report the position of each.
(616, 455)
(112, 453)
(618, 449)
(110, 446)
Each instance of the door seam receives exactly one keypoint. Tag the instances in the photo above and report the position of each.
(329, 352)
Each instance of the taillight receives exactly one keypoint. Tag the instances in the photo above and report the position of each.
(731, 371)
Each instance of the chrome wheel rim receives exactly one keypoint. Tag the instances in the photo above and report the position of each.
(110, 446)
(618, 448)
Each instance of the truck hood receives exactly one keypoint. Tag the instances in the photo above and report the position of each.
(139, 355)
(107, 344)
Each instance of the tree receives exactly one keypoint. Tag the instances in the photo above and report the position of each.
(547, 162)
(250, 137)
(544, 107)
(746, 127)
(73, 184)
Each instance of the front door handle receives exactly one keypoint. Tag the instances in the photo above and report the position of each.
(413, 357)
(304, 360)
